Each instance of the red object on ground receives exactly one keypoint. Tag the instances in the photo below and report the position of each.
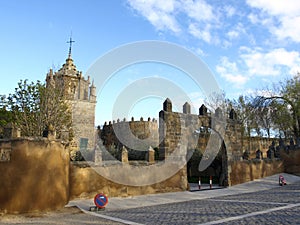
(282, 181)
(100, 200)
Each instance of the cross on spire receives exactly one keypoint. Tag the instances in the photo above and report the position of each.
(70, 48)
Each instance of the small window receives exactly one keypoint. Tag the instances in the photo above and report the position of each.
(83, 143)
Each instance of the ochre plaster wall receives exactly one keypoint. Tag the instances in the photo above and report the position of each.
(85, 182)
(39, 177)
(248, 170)
(291, 161)
(36, 178)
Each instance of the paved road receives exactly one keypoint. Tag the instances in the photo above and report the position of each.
(258, 202)
(275, 206)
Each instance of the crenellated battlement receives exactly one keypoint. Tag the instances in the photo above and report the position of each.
(153, 120)
(136, 136)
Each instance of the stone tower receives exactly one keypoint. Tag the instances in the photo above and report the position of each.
(81, 95)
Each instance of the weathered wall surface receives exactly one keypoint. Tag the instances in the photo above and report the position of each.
(83, 116)
(248, 170)
(82, 98)
(34, 176)
(188, 132)
(86, 182)
(291, 161)
(252, 144)
(136, 136)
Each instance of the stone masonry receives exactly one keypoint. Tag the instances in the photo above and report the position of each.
(81, 95)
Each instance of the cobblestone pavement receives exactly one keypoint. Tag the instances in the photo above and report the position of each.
(275, 206)
(70, 215)
(279, 205)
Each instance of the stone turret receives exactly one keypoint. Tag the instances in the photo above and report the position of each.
(187, 108)
(167, 106)
(203, 110)
(93, 94)
(82, 98)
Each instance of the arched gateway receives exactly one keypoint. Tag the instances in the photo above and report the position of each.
(194, 132)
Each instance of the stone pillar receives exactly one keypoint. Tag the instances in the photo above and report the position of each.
(187, 108)
(124, 156)
(162, 130)
(98, 155)
(232, 115)
(167, 106)
(51, 133)
(16, 132)
(203, 110)
(150, 155)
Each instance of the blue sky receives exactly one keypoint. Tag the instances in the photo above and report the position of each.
(247, 44)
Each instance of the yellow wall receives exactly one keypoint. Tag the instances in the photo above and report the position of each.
(86, 182)
(36, 178)
(248, 170)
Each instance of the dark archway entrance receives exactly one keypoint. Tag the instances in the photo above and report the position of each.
(218, 169)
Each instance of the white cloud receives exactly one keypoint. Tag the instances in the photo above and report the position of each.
(254, 63)
(176, 15)
(272, 63)
(198, 51)
(289, 29)
(230, 72)
(287, 13)
(277, 7)
(197, 99)
(160, 13)
(200, 34)
(229, 10)
(253, 18)
(233, 34)
(198, 10)
(236, 31)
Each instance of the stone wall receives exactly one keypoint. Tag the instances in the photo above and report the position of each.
(34, 175)
(248, 170)
(83, 117)
(85, 182)
(82, 99)
(291, 160)
(136, 136)
(188, 132)
(252, 144)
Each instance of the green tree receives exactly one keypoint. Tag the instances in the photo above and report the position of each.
(284, 101)
(35, 107)
(244, 110)
(5, 115)
(262, 114)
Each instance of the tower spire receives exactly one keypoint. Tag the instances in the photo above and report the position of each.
(70, 48)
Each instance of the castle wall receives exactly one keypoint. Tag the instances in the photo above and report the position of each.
(189, 132)
(37, 175)
(252, 144)
(249, 170)
(34, 175)
(136, 136)
(85, 182)
(291, 161)
(83, 116)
